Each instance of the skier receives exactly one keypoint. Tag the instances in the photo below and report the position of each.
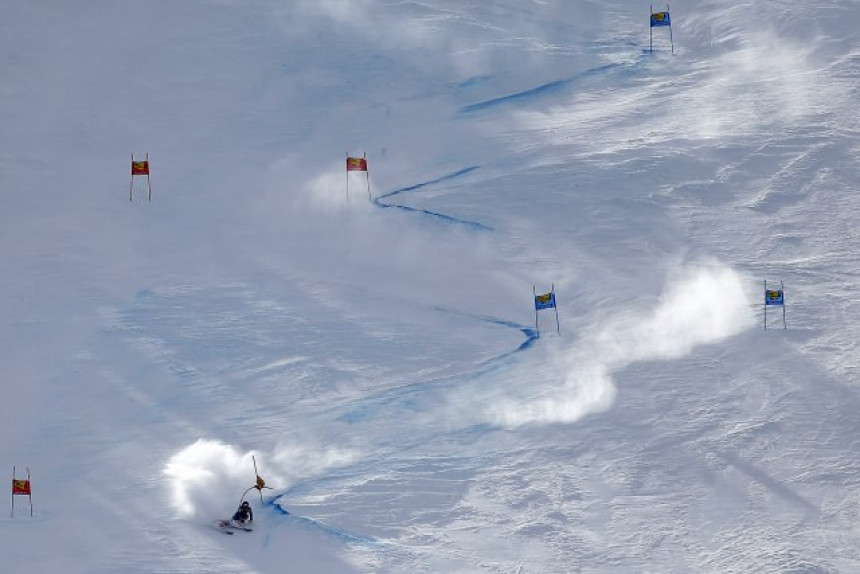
(244, 513)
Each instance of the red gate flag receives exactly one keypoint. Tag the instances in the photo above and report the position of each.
(21, 487)
(139, 168)
(356, 164)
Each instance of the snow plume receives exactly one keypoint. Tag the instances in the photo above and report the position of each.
(762, 80)
(754, 80)
(208, 477)
(703, 304)
(308, 458)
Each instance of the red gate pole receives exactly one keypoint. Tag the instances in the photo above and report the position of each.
(30, 491)
(367, 174)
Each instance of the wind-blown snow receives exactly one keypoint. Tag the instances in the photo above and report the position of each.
(703, 304)
(380, 359)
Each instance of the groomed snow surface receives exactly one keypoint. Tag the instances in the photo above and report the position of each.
(380, 359)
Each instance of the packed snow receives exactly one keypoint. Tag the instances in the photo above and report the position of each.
(380, 358)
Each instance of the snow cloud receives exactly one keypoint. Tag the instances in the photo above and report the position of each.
(208, 477)
(703, 304)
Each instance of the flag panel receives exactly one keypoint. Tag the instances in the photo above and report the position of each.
(356, 164)
(545, 301)
(774, 297)
(21, 487)
(140, 168)
(660, 19)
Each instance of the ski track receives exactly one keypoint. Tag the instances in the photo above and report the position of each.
(446, 218)
(552, 88)
(317, 526)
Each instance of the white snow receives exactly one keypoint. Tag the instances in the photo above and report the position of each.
(379, 360)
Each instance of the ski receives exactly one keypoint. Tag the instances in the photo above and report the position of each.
(228, 526)
(221, 528)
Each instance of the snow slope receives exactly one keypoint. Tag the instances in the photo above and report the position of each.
(380, 358)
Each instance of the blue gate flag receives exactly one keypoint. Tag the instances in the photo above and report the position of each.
(774, 297)
(545, 301)
(660, 19)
